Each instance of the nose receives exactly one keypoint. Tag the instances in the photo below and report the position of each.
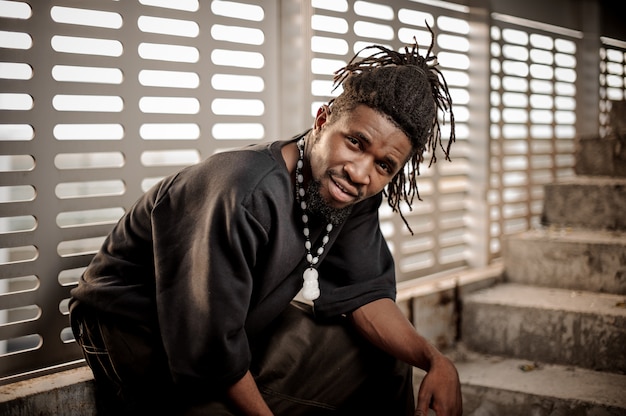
(358, 170)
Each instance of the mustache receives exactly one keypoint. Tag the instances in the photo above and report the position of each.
(345, 177)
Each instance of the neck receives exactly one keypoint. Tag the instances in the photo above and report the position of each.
(290, 156)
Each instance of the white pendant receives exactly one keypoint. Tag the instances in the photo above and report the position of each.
(310, 294)
(310, 288)
(310, 274)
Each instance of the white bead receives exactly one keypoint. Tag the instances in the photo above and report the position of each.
(300, 178)
(309, 258)
(303, 205)
(305, 218)
(320, 250)
(325, 240)
(307, 245)
(301, 192)
(329, 227)
(314, 260)
(305, 231)
(300, 163)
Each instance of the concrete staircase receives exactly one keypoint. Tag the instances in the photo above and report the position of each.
(550, 339)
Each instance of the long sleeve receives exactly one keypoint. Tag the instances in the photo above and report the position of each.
(207, 258)
(208, 244)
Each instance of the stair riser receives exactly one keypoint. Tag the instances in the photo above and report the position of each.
(588, 266)
(600, 157)
(551, 336)
(585, 206)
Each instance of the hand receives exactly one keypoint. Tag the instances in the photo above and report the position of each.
(440, 390)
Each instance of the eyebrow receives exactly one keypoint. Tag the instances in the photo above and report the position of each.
(363, 137)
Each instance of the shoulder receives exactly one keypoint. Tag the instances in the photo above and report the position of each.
(247, 162)
(242, 178)
(224, 171)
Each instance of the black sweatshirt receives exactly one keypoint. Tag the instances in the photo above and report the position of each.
(212, 254)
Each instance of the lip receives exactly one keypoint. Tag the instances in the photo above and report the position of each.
(341, 192)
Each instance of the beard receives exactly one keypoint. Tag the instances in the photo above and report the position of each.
(317, 205)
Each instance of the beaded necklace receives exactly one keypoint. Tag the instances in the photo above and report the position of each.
(310, 286)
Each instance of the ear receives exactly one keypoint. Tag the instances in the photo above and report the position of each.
(323, 114)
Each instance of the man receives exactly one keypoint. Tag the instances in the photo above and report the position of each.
(189, 301)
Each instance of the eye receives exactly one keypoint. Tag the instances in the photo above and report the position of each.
(385, 167)
(354, 141)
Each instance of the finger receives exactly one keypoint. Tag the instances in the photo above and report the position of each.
(422, 405)
(420, 412)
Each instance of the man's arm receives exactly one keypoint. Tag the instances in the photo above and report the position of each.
(384, 325)
(246, 396)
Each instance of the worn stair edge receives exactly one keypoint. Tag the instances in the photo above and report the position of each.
(568, 259)
(494, 386)
(68, 393)
(464, 278)
(558, 326)
(587, 202)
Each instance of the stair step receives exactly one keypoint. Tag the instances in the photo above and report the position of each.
(494, 386)
(550, 325)
(568, 259)
(587, 202)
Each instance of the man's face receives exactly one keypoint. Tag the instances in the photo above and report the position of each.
(354, 156)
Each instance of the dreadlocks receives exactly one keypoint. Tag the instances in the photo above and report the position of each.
(409, 89)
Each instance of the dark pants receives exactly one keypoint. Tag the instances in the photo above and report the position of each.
(302, 367)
